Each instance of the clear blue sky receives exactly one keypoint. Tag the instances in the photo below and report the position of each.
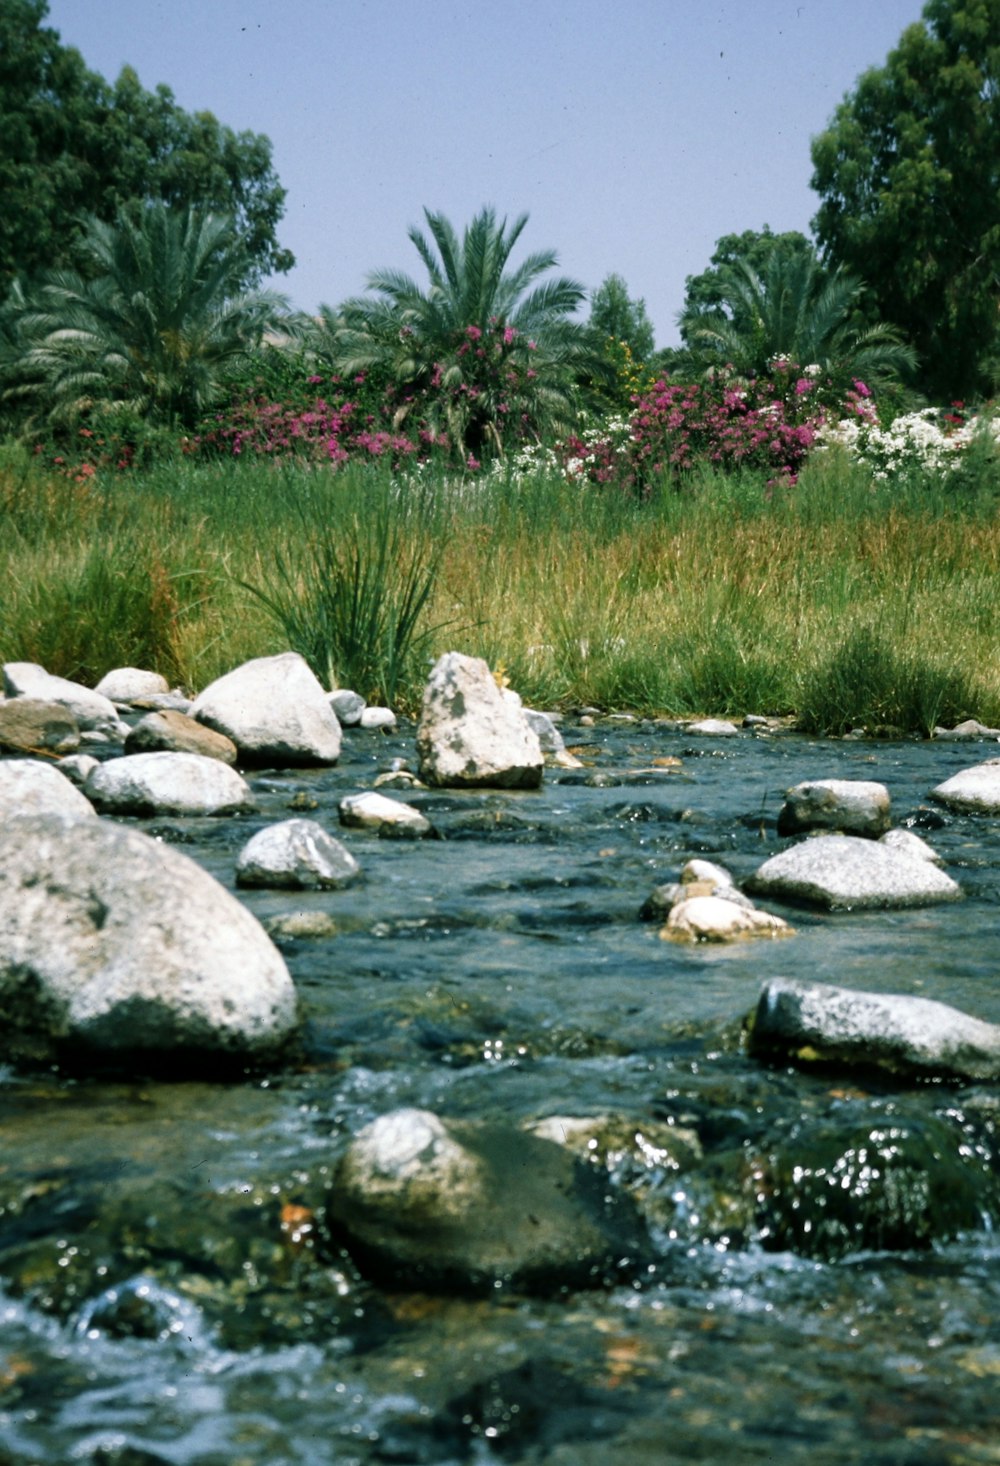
(634, 135)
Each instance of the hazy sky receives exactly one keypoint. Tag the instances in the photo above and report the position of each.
(633, 135)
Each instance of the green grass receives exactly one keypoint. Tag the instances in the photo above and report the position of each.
(839, 602)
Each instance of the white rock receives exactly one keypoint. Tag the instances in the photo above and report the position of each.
(112, 940)
(907, 843)
(713, 728)
(30, 787)
(966, 732)
(274, 709)
(297, 853)
(90, 709)
(471, 734)
(848, 873)
(124, 684)
(705, 870)
(972, 791)
(348, 707)
(168, 783)
(550, 740)
(372, 811)
(377, 718)
(855, 806)
(714, 919)
(78, 767)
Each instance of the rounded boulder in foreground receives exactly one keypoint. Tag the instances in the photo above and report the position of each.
(30, 787)
(274, 709)
(118, 947)
(168, 783)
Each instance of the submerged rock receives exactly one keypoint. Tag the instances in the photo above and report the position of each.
(274, 709)
(819, 1022)
(972, 791)
(473, 734)
(854, 806)
(119, 947)
(467, 1206)
(848, 873)
(296, 853)
(28, 786)
(168, 783)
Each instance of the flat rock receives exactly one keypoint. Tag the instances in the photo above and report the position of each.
(274, 709)
(715, 919)
(167, 783)
(377, 811)
(967, 732)
(472, 734)
(125, 684)
(90, 709)
(295, 853)
(848, 873)
(972, 791)
(116, 945)
(712, 728)
(818, 1022)
(33, 724)
(30, 787)
(854, 806)
(167, 731)
(471, 1207)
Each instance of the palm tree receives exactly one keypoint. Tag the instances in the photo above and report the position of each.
(149, 324)
(797, 310)
(485, 353)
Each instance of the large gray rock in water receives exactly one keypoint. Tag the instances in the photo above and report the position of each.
(467, 1207)
(855, 806)
(118, 947)
(297, 854)
(274, 709)
(168, 783)
(90, 709)
(818, 1022)
(29, 725)
(27, 786)
(472, 734)
(972, 791)
(847, 873)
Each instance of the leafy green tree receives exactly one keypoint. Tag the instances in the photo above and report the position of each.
(797, 310)
(755, 249)
(615, 315)
(485, 353)
(71, 144)
(150, 328)
(908, 174)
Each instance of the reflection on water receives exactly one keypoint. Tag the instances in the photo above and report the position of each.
(162, 1297)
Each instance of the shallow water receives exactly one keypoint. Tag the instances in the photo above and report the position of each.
(165, 1292)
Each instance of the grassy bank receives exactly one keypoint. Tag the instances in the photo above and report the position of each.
(835, 601)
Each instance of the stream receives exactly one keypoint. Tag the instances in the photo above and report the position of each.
(169, 1292)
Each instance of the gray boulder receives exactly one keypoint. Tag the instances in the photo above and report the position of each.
(125, 684)
(274, 709)
(31, 724)
(470, 1207)
(167, 783)
(168, 731)
(472, 734)
(817, 1022)
(855, 806)
(848, 873)
(377, 720)
(295, 853)
(115, 945)
(90, 709)
(30, 787)
(348, 706)
(972, 791)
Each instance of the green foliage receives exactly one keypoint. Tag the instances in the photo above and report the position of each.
(71, 143)
(486, 354)
(614, 313)
(797, 311)
(709, 292)
(149, 329)
(350, 590)
(908, 174)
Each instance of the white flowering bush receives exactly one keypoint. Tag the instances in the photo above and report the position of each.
(927, 441)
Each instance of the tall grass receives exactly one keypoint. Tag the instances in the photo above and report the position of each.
(838, 601)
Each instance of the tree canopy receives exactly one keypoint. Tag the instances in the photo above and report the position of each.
(615, 315)
(71, 144)
(908, 174)
(754, 249)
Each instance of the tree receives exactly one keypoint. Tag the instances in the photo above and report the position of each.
(708, 291)
(908, 174)
(795, 310)
(614, 315)
(149, 328)
(71, 144)
(485, 353)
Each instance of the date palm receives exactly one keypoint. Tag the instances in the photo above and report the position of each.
(484, 352)
(149, 323)
(798, 310)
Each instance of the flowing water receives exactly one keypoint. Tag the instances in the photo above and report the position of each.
(168, 1293)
